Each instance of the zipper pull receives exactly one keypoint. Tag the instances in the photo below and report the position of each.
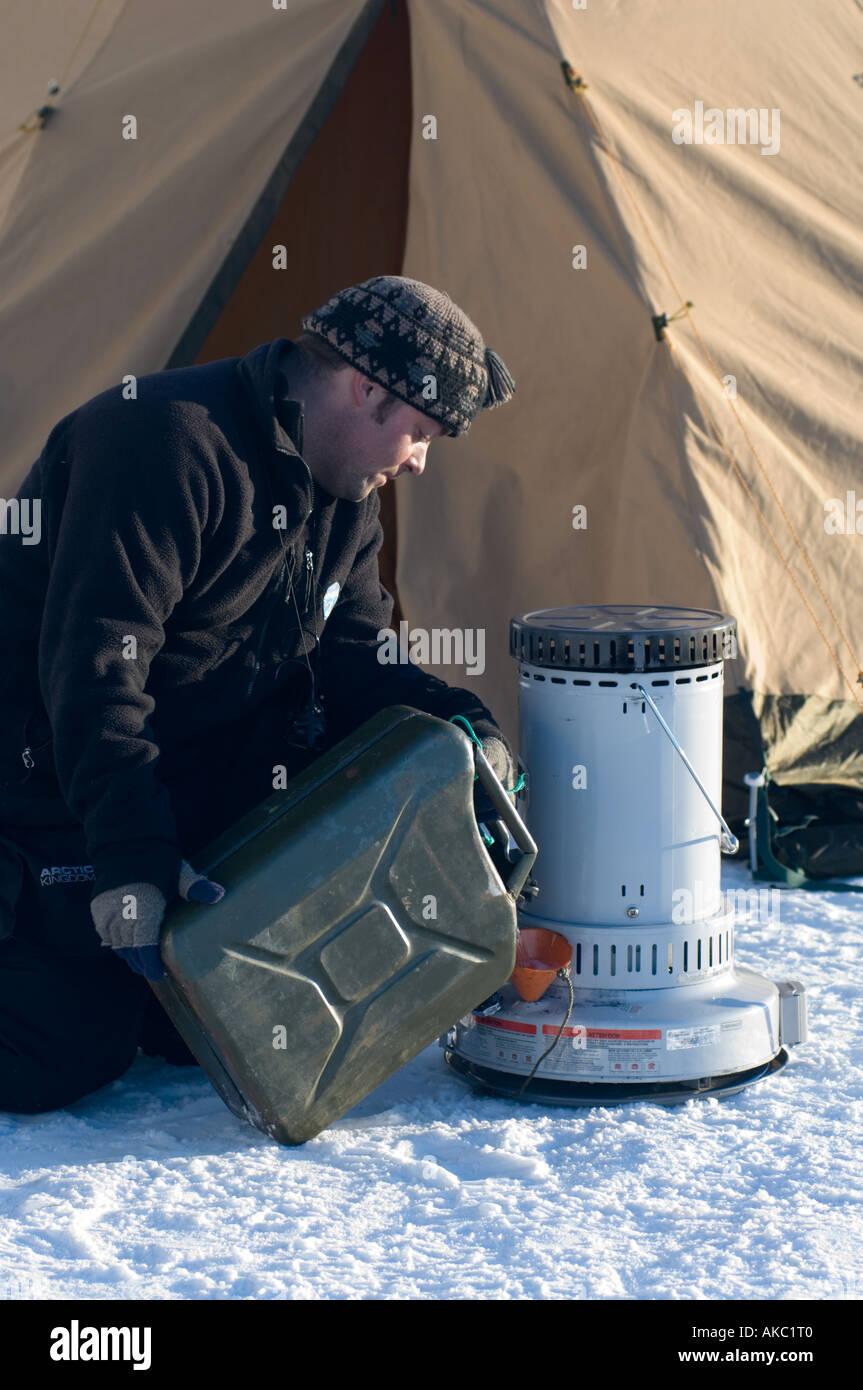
(28, 758)
(310, 565)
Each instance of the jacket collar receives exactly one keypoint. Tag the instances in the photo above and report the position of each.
(259, 373)
(280, 416)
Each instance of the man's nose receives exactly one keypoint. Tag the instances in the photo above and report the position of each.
(417, 462)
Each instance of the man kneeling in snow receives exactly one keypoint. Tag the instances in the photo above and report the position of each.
(205, 604)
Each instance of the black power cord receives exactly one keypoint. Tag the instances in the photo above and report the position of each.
(562, 974)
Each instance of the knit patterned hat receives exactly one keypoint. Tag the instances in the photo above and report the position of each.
(413, 340)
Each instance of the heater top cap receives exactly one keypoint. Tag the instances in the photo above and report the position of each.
(622, 637)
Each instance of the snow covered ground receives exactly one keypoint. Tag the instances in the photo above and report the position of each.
(152, 1189)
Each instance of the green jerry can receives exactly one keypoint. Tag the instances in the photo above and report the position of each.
(364, 915)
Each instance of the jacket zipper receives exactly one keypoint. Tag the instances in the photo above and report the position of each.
(280, 593)
(285, 587)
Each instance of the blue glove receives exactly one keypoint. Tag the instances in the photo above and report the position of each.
(129, 919)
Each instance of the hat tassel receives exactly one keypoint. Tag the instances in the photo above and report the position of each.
(500, 384)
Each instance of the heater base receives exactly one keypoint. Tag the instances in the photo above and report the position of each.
(545, 1091)
(672, 1041)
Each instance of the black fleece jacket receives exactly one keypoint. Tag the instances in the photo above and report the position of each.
(155, 611)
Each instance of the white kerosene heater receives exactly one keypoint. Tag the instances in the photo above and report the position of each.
(626, 986)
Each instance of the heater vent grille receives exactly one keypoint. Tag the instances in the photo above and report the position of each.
(625, 958)
(622, 638)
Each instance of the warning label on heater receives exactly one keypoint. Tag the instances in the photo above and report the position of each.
(504, 1040)
(585, 1052)
(705, 1036)
(604, 1051)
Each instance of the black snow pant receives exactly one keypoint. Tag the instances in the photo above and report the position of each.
(72, 1013)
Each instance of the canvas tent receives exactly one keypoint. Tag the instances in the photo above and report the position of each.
(455, 141)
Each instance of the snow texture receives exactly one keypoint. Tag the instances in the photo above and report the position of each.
(151, 1189)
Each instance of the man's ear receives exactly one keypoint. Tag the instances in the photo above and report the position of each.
(361, 387)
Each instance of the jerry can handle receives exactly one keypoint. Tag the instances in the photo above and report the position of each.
(522, 863)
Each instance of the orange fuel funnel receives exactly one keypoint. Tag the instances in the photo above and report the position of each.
(539, 955)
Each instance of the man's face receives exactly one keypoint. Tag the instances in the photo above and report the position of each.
(368, 440)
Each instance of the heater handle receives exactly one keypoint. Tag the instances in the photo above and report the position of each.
(729, 842)
(521, 865)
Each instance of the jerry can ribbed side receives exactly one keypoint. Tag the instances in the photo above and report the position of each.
(363, 916)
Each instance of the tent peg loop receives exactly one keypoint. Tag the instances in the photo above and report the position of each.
(37, 119)
(574, 82)
(661, 321)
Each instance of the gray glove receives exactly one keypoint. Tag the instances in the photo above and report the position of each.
(129, 919)
(501, 763)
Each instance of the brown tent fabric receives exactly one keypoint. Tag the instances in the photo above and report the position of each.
(443, 140)
(43, 41)
(110, 245)
(768, 249)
